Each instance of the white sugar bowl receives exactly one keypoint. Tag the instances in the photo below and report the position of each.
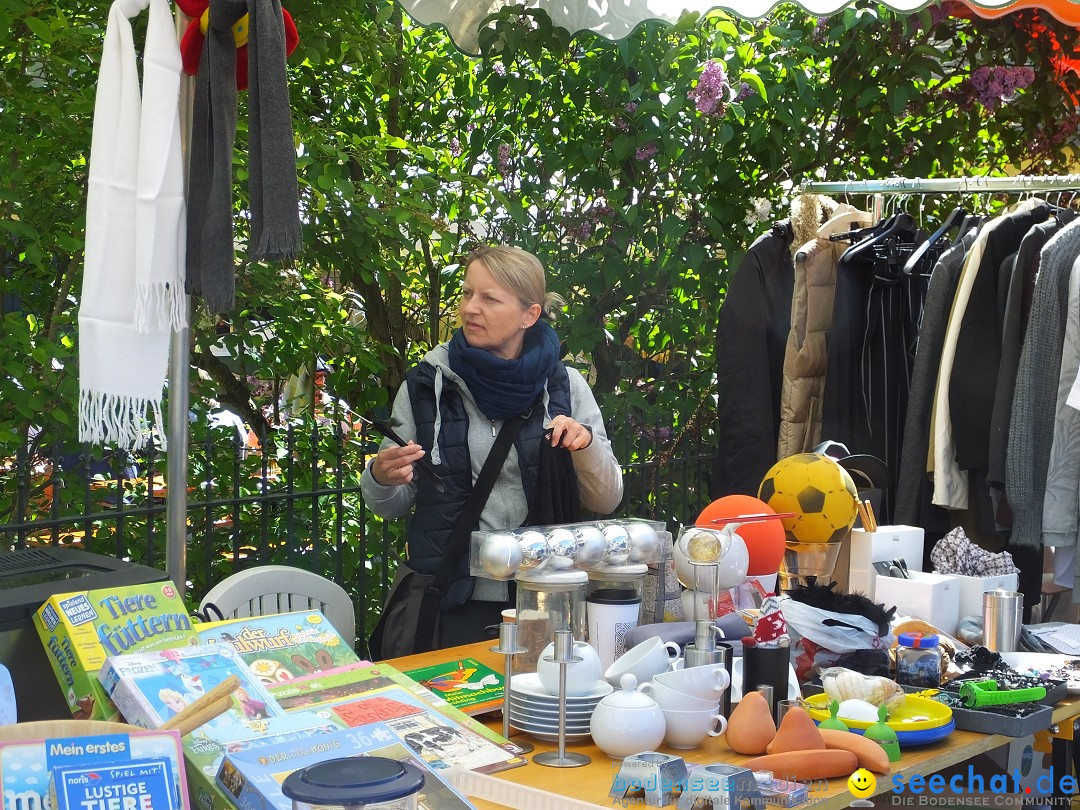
(627, 721)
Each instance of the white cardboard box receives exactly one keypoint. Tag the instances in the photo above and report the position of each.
(972, 589)
(887, 543)
(934, 598)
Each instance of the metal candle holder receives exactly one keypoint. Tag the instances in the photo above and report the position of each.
(508, 647)
(563, 655)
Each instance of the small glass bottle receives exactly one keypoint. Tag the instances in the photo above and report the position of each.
(918, 660)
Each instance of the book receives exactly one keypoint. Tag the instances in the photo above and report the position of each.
(80, 630)
(25, 765)
(150, 687)
(437, 738)
(253, 778)
(205, 749)
(464, 683)
(282, 646)
(140, 784)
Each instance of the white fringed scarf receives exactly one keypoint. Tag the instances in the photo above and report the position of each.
(133, 291)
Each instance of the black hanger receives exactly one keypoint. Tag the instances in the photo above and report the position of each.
(953, 220)
(896, 224)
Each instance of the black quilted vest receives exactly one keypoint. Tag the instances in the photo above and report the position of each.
(436, 513)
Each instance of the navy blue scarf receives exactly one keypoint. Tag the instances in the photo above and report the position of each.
(506, 388)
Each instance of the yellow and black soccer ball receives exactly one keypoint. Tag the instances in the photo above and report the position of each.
(818, 491)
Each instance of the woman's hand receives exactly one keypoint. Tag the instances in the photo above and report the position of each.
(393, 466)
(569, 434)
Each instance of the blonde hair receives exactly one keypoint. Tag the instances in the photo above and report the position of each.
(519, 271)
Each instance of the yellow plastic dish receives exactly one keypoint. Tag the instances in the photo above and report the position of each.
(917, 714)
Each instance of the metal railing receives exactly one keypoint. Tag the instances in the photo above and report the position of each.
(296, 502)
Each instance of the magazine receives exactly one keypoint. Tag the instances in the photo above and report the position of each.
(465, 683)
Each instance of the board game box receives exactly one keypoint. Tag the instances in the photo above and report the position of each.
(347, 683)
(282, 646)
(80, 630)
(442, 736)
(25, 765)
(253, 778)
(150, 687)
(205, 749)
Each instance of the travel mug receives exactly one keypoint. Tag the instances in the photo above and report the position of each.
(1003, 616)
(611, 613)
(766, 666)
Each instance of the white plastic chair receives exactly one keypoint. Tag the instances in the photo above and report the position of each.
(268, 589)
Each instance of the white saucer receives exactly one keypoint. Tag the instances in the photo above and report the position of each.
(549, 721)
(545, 711)
(528, 683)
(552, 728)
(552, 705)
(551, 736)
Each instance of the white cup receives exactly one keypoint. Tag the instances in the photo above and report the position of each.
(668, 698)
(581, 676)
(703, 682)
(643, 661)
(689, 729)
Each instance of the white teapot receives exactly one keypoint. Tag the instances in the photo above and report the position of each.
(627, 721)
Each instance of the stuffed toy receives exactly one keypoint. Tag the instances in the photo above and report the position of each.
(191, 43)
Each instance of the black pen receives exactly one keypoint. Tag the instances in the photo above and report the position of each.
(392, 435)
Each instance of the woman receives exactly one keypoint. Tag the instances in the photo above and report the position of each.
(502, 363)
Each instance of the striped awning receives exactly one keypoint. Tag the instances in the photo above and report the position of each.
(615, 19)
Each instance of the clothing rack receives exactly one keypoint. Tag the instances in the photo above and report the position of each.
(945, 185)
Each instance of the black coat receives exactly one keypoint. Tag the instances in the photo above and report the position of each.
(751, 338)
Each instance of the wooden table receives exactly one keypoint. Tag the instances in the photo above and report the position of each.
(592, 782)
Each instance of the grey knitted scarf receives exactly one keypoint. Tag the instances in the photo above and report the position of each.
(275, 212)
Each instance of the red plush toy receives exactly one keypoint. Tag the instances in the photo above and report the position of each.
(191, 43)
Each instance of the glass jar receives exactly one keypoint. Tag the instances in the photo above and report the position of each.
(613, 605)
(918, 660)
(548, 601)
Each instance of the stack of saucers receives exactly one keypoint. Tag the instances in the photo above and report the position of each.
(535, 711)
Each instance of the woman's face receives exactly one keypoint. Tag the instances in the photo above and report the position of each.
(492, 316)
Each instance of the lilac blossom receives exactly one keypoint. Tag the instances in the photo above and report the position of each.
(503, 161)
(994, 86)
(710, 94)
(499, 68)
(745, 90)
(647, 151)
(455, 147)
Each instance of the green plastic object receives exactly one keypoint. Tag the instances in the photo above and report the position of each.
(833, 721)
(884, 735)
(975, 694)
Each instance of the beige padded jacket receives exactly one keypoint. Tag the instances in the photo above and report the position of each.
(806, 357)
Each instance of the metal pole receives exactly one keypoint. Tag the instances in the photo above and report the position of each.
(910, 185)
(176, 471)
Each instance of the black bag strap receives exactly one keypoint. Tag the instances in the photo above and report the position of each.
(459, 538)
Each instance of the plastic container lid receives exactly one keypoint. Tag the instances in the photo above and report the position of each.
(614, 596)
(552, 580)
(353, 781)
(628, 571)
(917, 640)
